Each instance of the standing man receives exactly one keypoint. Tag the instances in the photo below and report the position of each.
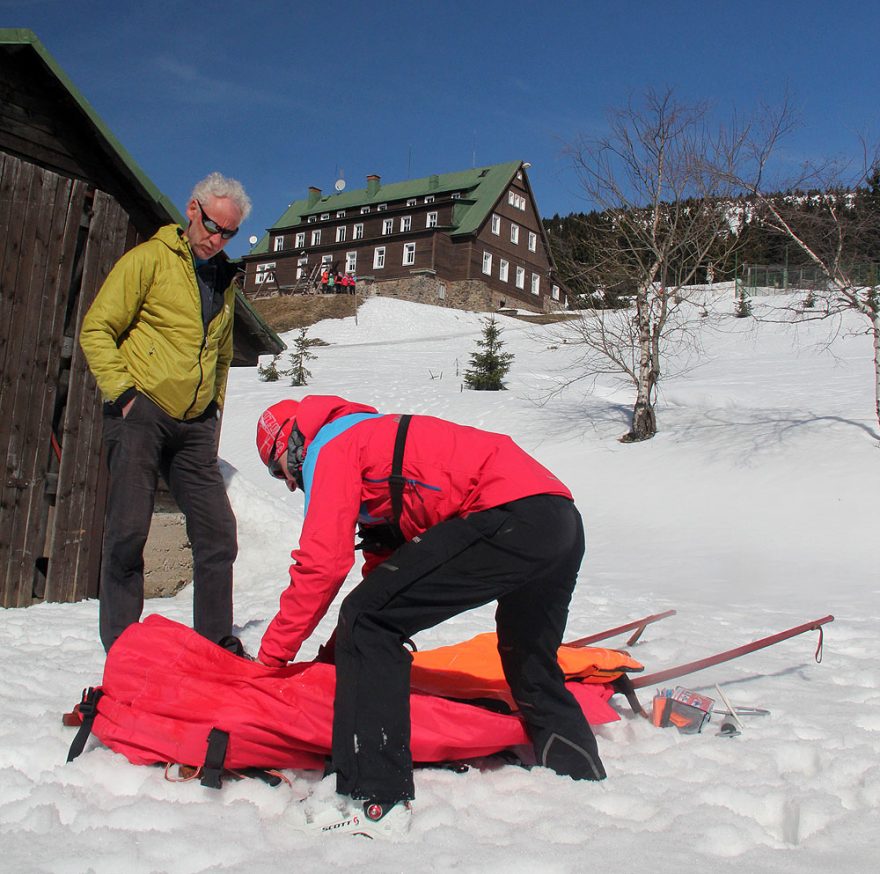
(452, 518)
(158, 339)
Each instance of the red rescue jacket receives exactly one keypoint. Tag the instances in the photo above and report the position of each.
(451, 470)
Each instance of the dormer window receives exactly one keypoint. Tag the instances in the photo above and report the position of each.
(411, 202)
(365, 210)
(325, 216)
(382, 207)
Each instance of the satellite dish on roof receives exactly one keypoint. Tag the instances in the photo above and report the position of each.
(340, 184)
(253, 239)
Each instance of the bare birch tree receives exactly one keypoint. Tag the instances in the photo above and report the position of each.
(836, 227)
(663, 179)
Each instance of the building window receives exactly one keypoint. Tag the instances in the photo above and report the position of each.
(405, 223)
(326, 260)
(387, 226)
(340, 213)
(264, 273)
(358, 232)
(520, 277)
(487, 263)
(325, 216)
(429, 198)
(431, 221)
(340, 234)
(456, 195)
(533, 241)
(411, 201)
(514, 233)
(511, 197)
(351, 261)
(536, 284)
(316, 238)
(301, 240)
(312, 219)
(554, 292)
(496, 224)
(378, 257)
(382, 207)
(301, 265)
(279, 243)
(365, 210)
(409, 254)
(503, 268)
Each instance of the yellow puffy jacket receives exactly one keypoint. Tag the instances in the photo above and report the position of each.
(144, 330)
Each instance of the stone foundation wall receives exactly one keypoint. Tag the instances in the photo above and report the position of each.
(467, 294)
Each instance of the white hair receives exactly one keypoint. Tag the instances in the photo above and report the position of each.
(218, 185)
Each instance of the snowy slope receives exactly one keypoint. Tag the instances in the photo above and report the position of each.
(753, 510)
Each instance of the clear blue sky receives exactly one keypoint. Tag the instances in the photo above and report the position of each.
(284, 94)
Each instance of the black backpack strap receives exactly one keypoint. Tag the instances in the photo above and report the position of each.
(624, 685)
(396, 481)
(212, 770)
(88, 708)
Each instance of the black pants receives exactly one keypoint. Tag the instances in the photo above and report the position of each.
(525, 555)
(139, 447)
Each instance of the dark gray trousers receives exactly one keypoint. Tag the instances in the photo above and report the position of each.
(525, 555)
(139, 447)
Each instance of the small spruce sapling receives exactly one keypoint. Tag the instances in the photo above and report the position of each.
(299, 373)
(490, 365)
(270, 372)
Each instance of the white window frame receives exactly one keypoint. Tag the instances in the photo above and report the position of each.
(533, 241)
(326, 261)
(325, 216)
(405, 224)
(279, 243)
(431, 220)
(316, 237)
(351, 260)
(358, 231)
(514, 234)
(340, 213)
(365, 210)
(340, 233)
(300, 240)
(520, 277)
(264, 272)
(409, 254)
(379, 258)
(382, 207)
(301, 266)
(496, 224)
(487, 263)
(511, 197)
(554, 292)
(312, 219)
(536, 284)
(503, 269)
(429, 198)
(411, 201)
(387, 226)
(456, 195)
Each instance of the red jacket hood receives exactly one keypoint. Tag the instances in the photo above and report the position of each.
(315, 411)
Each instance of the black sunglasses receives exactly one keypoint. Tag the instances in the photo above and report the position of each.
(213, 228)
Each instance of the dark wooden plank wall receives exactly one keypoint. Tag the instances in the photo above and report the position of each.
(44, 263)
(74, 542)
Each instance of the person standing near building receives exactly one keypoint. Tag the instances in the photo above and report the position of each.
(451, 518)
(158, 340)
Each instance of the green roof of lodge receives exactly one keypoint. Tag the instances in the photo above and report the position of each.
(18, 36)
(480, 188)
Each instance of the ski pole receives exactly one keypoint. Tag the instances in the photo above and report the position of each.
(718, 658)
(638, 624)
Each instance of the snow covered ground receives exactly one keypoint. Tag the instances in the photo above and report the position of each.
(753, 510)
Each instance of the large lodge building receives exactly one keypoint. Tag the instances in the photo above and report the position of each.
(472, 240)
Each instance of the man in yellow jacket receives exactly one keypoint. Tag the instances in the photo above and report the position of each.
(158, 339)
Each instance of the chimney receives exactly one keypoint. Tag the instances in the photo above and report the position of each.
(314, 194)
(433, 181)
(373, 184)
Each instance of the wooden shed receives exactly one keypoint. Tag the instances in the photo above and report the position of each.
(72, 200)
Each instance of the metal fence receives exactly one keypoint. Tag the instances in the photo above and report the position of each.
(766, 279)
